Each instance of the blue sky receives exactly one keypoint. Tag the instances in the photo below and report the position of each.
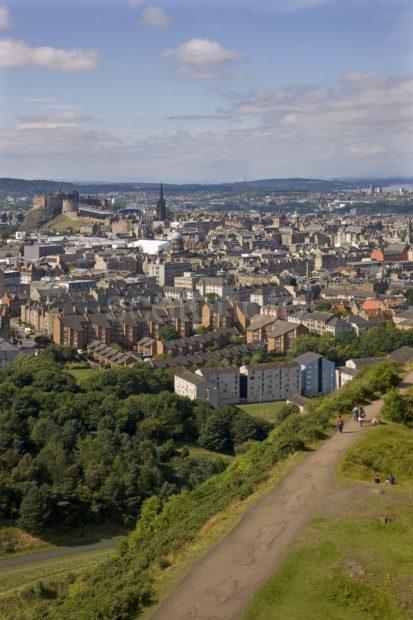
(205, 90)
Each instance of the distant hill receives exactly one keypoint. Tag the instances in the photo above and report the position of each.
(24, 187)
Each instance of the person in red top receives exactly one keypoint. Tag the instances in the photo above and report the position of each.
(340, 423)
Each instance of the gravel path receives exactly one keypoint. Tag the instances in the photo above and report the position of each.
(221, 584)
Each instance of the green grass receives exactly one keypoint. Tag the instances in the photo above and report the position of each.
(349, 564)
(15, 577)
(346, 568)
(80, 373)
(63, 222)
(13, 541)
(264, 411)
(384, 449)
(197, 452)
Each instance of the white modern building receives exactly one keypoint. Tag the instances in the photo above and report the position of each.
(195, 387)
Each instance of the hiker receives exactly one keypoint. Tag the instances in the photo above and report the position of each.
(340, 423)
(390, 479)
(377, 479)
(361, 417)
(355, 413)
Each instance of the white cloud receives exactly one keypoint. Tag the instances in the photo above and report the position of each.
(285, 6)
(55, 120)
(199, 116)
(5, 19)
(203, 59)
(202, 52)
(15, 53)
(363, 126)
(154, 16)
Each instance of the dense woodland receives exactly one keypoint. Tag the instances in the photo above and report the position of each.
(73, 453)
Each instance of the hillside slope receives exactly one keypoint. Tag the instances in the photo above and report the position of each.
(355, 558)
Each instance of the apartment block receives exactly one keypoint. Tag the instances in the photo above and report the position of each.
(195, 387)
(318, 374)
(270, 381)
(226, 382)
(253, 383)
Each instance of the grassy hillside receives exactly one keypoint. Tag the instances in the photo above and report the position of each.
(265, 411)
(64, 222)
(354, 560)
(122, 586)
(387, 448)
(345, 568)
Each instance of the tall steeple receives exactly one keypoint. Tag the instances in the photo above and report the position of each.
(161, 207)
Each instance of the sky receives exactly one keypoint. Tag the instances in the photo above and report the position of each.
(205, 90)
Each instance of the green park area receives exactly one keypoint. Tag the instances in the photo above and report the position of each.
(80, 372)
(265, 411)
(354, 560)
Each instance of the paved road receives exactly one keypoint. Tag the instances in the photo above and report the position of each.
(38, 558)
(221, 584)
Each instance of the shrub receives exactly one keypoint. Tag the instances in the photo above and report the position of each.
(396, 408)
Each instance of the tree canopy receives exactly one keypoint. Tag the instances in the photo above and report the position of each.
(95, 450)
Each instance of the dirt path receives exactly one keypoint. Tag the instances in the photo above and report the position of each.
(222, 583)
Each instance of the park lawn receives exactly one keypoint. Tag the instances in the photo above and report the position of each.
(264, 411)
(352, 564)
(345, 568)
(80, 373)
(385, 449)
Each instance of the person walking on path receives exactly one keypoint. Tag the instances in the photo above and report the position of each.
(340, 423)
(355, 413)
(361, 417)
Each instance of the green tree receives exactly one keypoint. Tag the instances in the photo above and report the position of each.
(396, 408)
(35, 509)
(236, 339)
(201, 330)
(42, 341)
(215, 434)
(409, 296)
(167, 332)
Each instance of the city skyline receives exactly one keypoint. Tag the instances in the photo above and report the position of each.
(206, 91)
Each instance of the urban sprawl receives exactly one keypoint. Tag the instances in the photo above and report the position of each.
(253, 304)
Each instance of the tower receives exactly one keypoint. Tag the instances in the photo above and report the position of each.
(161, 207)
(409, 232)
(70, 203)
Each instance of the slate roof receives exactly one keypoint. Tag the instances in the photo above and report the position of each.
(307, 358)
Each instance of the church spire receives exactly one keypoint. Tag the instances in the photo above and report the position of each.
(161, 207)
